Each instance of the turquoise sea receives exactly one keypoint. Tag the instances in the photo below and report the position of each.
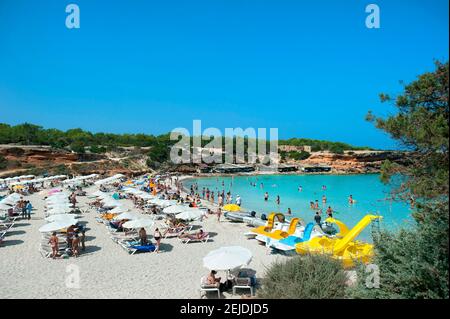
(370, 194)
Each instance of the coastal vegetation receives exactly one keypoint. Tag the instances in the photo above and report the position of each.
(81, 141)
(320, 145)
(414, 262)
(308, 277)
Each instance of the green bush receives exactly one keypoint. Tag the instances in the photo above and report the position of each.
(305, 277)
(299, 156)
(77, 147)
(3, 162)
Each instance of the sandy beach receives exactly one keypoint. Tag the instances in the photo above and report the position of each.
(106, 270)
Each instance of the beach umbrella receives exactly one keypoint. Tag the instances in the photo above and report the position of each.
(232, 208)
(190, 214)
(138, 223)
(175, 209)
(100, 194)
(4, 206)
(58, 211)
(109, 202)
(146, 196)
(61, 217)
(162, 202)
(227, 258)
(127, 215)
(57, 225)
(118, 210)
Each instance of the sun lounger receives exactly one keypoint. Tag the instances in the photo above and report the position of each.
(189, 238)
(205, 287)
(175, 231)
(133, 247)
(243, 283)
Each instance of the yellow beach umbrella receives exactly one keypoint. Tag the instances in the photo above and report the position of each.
(232, 208)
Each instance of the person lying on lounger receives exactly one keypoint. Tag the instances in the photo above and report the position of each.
(198, 235)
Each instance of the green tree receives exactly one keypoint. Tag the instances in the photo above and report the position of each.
(414, 262)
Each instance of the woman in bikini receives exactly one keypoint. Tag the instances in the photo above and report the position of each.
(157, 236)
(54, 244)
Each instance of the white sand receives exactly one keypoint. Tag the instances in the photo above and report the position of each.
(107, 270)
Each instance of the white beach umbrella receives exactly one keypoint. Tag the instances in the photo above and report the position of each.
(118, 210)
(57, 225)
(227, 258)
(4, 206)
(190, 214)
(132, 190)
(175, 209)
(138, 223)
(110, 203)
(127, 215)
(101, 194)
(162, 202)
(61, 217)
(65, 208)
(57, 211)
(145, 196)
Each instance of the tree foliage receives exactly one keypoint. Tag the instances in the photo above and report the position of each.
(414, 262)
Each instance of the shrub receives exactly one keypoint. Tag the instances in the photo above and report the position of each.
(3, 162)
(77, 147)
(299, 156)
(305, 277)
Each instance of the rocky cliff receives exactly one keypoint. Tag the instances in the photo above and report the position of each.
(354, 162)
(42, 159)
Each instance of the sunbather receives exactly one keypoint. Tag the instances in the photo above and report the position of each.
(212, 280)
(54, 244)
(143, 236)
(198, 235)
(76, 245)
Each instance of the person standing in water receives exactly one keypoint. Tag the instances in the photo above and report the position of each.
(330, 212)
(300, 188)
(318, 219)
(238, 200)
(266, 196)
(350, 200)
(324, 199)
(278, 200)
(289, 212)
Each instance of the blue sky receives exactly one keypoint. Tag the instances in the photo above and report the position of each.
(310, 68)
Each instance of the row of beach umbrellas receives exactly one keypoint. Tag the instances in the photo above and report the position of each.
(58, 212)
